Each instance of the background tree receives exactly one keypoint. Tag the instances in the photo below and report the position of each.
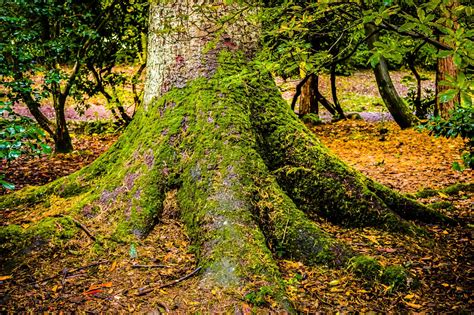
(124, 43)
(59, 42)
(394, 25)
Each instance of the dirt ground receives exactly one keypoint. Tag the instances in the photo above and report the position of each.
(81, 277)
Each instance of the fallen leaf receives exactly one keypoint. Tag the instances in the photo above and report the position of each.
(2, 278)
(334, 282)
(444, 196)
(91, 292)
(417, 306)
(409, 296)
(100, 285)
(114, 265)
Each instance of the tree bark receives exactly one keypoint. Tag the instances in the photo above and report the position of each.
(252, 180)
(395, 105)
(445, 67)
(308, 99)
(337, 105)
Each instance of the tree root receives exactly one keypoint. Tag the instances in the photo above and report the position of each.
(250, 181)
(319, 183)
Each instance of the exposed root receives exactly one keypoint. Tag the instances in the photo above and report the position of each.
(318, 182)
(251, 181)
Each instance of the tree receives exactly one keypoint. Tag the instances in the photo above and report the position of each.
(251, 179)
(395, 104)
(446, 67)
(54, 46)
(42, 36)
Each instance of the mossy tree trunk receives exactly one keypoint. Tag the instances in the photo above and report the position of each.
(251, 178)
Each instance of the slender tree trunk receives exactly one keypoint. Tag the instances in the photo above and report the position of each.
(395, 105)
(445, 67)
(62, 139)
(308, 99)
(337, 105)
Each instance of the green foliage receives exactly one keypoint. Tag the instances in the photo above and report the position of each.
(19, 135)
(54, 45)
(460, 123)
(260, 296)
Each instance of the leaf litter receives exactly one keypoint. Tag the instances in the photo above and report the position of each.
(440, 263)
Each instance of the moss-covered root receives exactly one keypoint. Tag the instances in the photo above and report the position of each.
(16, 240)
(316, 180)
(406, 207)
(230, 203)
(118, 197)
(290, 233)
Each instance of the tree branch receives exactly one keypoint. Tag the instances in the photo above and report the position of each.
(436, 43)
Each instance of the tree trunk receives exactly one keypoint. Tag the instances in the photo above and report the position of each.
(62, 139)
(252, 180)
(445, 67)
(395, 105)
(337, 105)
(308, 99)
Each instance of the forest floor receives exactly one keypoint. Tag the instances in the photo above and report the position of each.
(440, 262)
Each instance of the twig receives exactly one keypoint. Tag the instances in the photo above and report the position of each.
(66, 272)
(79, 225)
(84, 228)
(149, 266)
(148, 289)
(169, 284)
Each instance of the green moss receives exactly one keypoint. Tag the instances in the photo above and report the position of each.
(10, 238)
(396, 277)
(426, 193)
(366, 267)
(450, 190)
(456, 188)
(312, 119)
(15, 240)
(441, 205)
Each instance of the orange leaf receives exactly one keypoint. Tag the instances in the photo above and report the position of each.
(100, 285)
(94, 291)
(2, 278)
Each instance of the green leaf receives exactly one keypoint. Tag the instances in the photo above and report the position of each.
(457, 59)
(408, 26)
(7, 185)
(457, 167)
(133, 251)
(447, 95)
(14, 154)
(421, 14)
